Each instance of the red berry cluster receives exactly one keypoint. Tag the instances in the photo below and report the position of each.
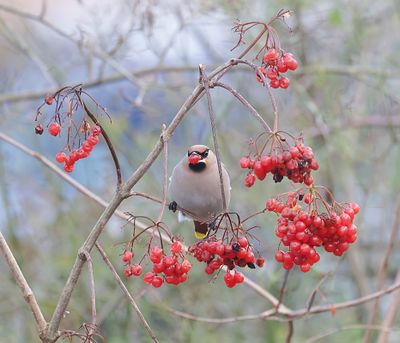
(274, 64)
(295, 162)
(130, 269)
(302, 231)
(82, 152)
(166, 268)
(216, 253)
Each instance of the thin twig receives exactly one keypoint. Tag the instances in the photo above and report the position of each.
(126, 292)
(242, 99)
(23, 286)
(384, 266)
(109, 145)
(283, 289)
(290, 332)
(349, 327)
(165, 177)
(206, 85)
(311, 298)
(390, 314)
(92, 295)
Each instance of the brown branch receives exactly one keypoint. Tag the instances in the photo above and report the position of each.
(348, 327)
(165, 177)
(390, 314)
(92, 295)
(26, 291)
(282, 290)
(281, 315)
(206, 84)
(109, 145)
(290, 332)
(344, 70)
(125, 291)
(384, 266)
(242, 99)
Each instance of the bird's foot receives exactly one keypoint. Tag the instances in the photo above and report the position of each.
(173, 206)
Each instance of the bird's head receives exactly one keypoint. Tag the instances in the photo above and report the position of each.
(199, 156)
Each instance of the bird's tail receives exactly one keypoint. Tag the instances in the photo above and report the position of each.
(200, 229)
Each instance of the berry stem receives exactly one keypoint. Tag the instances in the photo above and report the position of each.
(109, 144)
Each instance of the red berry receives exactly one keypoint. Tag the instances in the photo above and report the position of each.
(81, 153)
(243, 241)
(185, 266)
(96, 130)
(244, 162)
(272, 74)
(157, 282)
(127, 256)
(229, 277)
(127, 271)
(305, 267)
(279, 256)
(148, 278)
(158, 267)
(61, 157)
(290, 62)
(136, 269)
(54, 129)
(249, 180)
(259, 170)
(271, 56)
(93, 140)
(86, 146)
(38, 129)
(69, 167)
(281, 66)
(238, 277)
(260, 262)
(48, 99)
(284, 82)
(176, 247)
(274, 83)
(270, 204)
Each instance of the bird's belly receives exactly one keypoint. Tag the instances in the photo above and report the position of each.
(205, 204)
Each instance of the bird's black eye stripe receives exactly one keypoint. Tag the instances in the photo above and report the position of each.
(203, 154)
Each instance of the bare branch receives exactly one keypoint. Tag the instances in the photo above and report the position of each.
(241, 98)
(289, 332)
(384, 266)
(390, 314)
(205, 82)
(125, 291)
(29, 297)
(92, 295)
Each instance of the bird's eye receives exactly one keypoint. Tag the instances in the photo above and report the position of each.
(204, 154)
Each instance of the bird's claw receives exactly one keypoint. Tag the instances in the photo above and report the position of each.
(173, 206)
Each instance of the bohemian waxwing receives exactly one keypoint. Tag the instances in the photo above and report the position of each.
(195, 187)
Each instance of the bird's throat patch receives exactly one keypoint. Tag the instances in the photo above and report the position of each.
(198, 167)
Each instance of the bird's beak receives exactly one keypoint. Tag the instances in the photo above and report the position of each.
(194, 158)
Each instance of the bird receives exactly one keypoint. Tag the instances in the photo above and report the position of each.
(195, 188)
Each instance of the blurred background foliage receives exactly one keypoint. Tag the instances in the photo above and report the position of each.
(344, 98)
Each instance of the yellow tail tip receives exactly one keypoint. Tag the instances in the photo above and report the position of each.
(200, 235)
